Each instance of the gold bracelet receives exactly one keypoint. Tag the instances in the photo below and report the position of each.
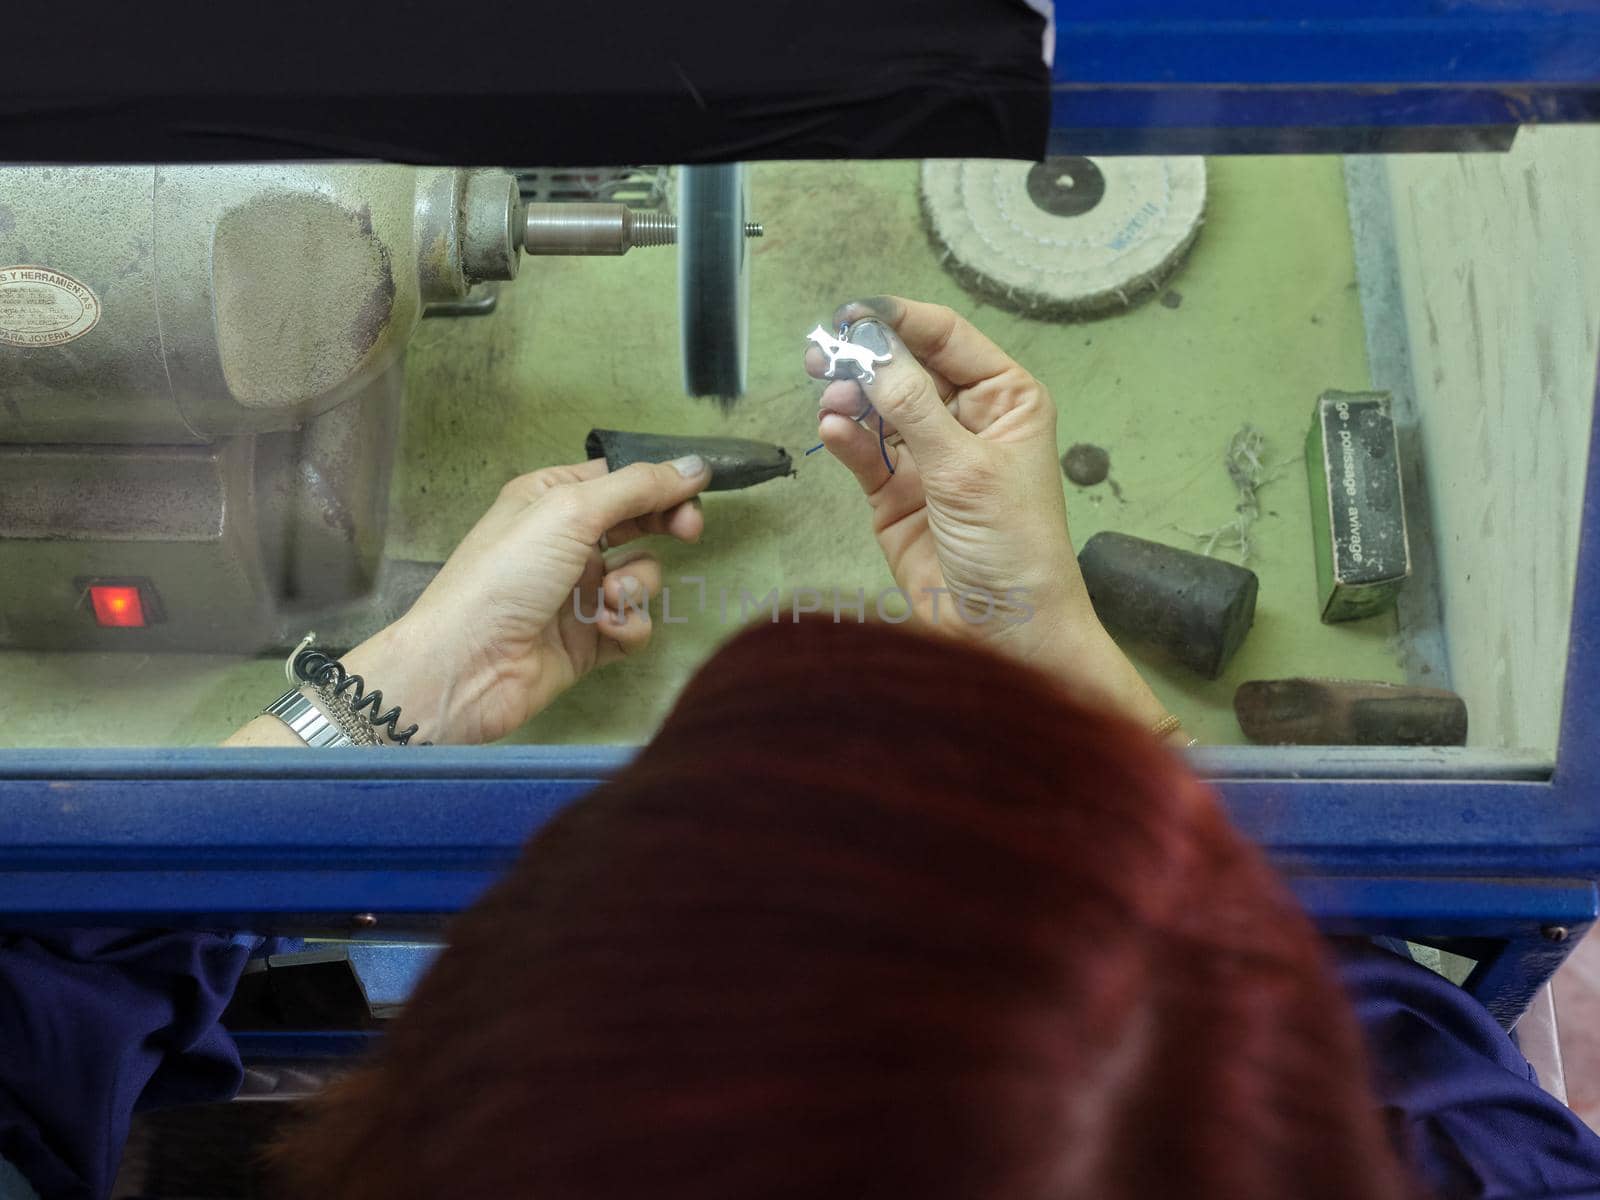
(1166, 725)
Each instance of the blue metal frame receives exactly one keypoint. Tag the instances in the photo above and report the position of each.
(240, 837)
(1467, 846)
(1523, 45)
(1163, 76)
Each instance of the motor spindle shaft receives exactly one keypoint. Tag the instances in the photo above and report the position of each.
(601, 228)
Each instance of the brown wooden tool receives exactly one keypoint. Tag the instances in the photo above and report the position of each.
(1349, 712)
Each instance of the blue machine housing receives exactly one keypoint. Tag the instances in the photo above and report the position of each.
(1468, 846)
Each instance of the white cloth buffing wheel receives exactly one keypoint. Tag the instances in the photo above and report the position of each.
(1068, 237)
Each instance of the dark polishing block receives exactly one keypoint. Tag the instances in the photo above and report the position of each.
(1193, 608)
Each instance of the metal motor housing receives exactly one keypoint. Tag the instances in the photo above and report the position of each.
(200, 380)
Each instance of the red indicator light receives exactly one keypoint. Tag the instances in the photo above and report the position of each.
(117, 607)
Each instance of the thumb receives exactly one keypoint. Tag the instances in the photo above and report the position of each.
(906, 395)
(635, 491)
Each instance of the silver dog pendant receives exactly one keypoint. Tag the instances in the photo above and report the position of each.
(847, 359)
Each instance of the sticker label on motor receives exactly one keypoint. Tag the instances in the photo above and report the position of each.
(41, 307)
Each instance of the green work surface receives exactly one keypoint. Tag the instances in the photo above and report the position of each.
(1268, 318)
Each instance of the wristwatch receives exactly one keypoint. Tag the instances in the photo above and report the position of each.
(337, 725)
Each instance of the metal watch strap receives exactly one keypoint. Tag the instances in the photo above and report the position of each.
(313, 726)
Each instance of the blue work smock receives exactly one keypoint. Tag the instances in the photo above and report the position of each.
(95, 1025)
(1463, 1105)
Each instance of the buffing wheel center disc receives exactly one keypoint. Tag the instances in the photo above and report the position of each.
(1067, 237)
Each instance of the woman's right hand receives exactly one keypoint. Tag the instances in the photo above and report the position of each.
(973, 517)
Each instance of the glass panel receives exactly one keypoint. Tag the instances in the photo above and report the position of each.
(262, 402)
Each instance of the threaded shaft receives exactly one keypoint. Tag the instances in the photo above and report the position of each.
(583, 228)
(652, 228)
(661, 229)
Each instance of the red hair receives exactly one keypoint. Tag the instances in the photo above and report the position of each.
(872, 916)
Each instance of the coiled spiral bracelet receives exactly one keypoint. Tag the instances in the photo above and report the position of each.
(347, 693)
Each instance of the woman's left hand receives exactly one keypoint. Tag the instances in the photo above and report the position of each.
(501, 631)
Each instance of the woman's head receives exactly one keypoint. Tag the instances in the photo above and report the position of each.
(872, 916)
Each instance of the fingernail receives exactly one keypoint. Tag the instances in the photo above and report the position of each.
(690, 465)
(873, 334)
(854, 309)
(631, 588)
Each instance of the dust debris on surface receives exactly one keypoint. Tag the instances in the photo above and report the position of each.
(1245, 460)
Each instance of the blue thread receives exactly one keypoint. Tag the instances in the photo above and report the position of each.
(883, 447)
